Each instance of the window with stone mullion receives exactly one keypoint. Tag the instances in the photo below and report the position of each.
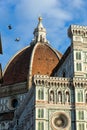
(81, 127)
(40, 125)
(80, 96)
(78, 55)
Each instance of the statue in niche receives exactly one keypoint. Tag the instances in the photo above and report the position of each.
(59, 96)
(52, 96)
(67, 97)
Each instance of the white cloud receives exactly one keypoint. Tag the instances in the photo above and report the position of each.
(31, 9)
(78, 3)
(57, 16)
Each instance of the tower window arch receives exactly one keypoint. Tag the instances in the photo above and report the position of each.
(40, 113)
(40, 125)
(40, 94)
(80, 96)
(81, 115)
(81, 126)
(78, 55)
(78, 66)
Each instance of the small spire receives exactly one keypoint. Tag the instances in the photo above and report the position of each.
(40, 19)
(40, 32)
(40, 25)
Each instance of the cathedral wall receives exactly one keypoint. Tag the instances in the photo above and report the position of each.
(54, 98)
(7, 107)
(25, 115)
(80, 103)
(66, 68)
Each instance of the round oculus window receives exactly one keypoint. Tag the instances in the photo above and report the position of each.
(14, 103)
(59, 121)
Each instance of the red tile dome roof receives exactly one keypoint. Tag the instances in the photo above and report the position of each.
(39, 58)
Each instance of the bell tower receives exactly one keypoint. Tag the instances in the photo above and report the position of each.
(78, 36)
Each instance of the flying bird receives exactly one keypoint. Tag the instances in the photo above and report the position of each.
(9, 27)
(17, 39)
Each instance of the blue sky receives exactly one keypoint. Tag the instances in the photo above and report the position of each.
(23, 15)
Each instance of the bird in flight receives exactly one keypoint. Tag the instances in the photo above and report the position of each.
(9, 27)
(17, 39)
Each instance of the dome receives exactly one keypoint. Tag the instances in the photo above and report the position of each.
(38, 58)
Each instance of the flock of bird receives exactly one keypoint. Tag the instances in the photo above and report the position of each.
(10, 27)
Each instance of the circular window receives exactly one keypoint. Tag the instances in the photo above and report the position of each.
(14, 103)
(59, 121)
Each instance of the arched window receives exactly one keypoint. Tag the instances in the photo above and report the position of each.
(40, 113)
(78, 66)
(80, 96)
(40, 94)
(81, 126)
(78, 55)
(59, 96)
(40, 125)
(67, 97)
(81, 115)
(51, 96)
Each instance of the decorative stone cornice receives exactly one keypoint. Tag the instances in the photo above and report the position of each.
(59, 81)
(13, 89)
(80, 82)
(51, 81)
(77, 30)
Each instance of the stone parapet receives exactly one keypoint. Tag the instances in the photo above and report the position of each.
(77, 30)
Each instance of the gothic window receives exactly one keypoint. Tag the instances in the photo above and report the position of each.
(59, 96)
(67, 97)
(81, 115)
(40, 94)
(78, 55)
(81, 127)
(51, 96)
(80, 96)
(40, 113)
(40, 125)
(78, 66)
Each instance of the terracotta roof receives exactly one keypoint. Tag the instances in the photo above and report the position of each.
(17, 70)
(41, 57)
(45, 60)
